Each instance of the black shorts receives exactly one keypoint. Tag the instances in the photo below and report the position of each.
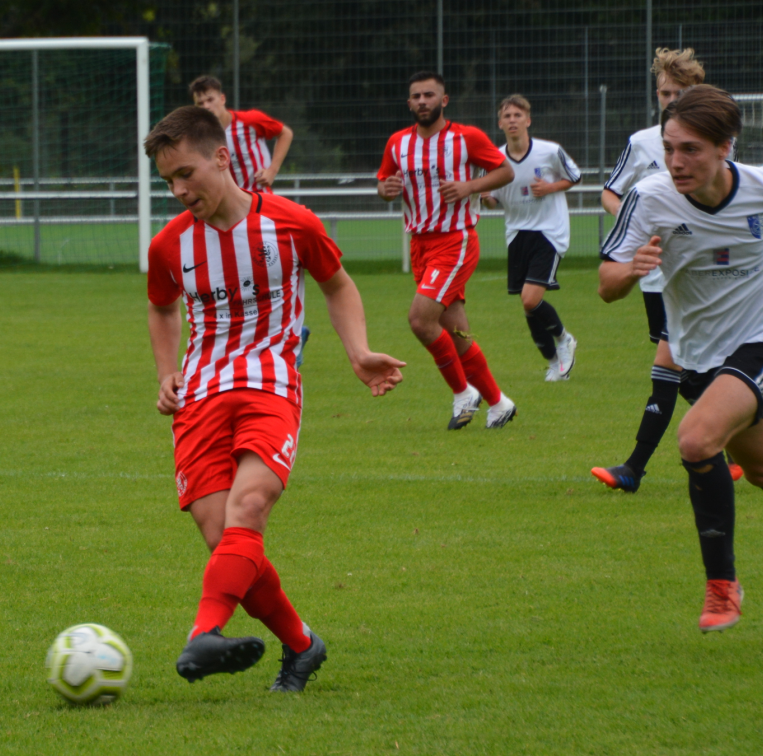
(746, 364)
(655, 314)
(532, 259)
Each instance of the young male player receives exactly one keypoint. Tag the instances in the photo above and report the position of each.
(537, 229)
(644, 156)
(246, 132)
(714, 305)
(434, 165)
(237, 261)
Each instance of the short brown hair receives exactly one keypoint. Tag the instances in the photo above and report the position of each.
(708, 111)
(678, 65)
(200, 127)
(518, 101)
(203, 84)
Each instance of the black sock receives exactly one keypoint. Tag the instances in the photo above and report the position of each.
(712, 496)
(657, 416)
(542, 338)
(548, 318)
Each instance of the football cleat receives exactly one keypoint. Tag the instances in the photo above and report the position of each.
(465, 405)
(501, 413)
(565, 353)
(736, 471)
(296, 669)
(211, 653)
(722, 609)
(622, 477)
(553, 374)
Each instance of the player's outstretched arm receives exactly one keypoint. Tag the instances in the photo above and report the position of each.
(380, 372)
(453, 191)
(165, 327)
(616, 279)
(266, 176)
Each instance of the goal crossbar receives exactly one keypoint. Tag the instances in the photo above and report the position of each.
(140, 45)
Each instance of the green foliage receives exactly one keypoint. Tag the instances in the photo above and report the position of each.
(478, 591)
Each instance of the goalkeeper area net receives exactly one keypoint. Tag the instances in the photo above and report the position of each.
(74, 184)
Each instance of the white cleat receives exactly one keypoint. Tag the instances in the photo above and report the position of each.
(553, 374)
(501, 413)
(565, 353)
(465, 405)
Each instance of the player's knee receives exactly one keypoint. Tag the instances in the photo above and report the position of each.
(423, 328)
(695, 445)
(530, 300)
(255, 505)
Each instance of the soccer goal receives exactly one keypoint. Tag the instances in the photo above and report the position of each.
(75, 186)
(750, 142)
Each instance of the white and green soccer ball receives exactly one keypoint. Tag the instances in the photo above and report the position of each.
(89, 664)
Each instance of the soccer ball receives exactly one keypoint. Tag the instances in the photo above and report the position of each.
(89, 664)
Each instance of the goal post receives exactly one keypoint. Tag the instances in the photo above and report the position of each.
(142, 191)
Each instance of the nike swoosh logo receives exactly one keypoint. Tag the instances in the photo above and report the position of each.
(424, 286)
(188, 270)
(277, 458)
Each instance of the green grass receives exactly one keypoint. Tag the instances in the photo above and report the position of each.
(479, 592)
(363, 241)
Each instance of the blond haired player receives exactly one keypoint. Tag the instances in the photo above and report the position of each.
(434, 165)
(537, 229)
(237, 261)
(644, 156)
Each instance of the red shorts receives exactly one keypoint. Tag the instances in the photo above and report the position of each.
(443, 262)
(212, 433)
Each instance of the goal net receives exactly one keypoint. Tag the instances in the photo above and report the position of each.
(74, 185)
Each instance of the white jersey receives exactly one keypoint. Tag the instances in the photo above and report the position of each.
(644, 156)
(549, 214)
(712, 260)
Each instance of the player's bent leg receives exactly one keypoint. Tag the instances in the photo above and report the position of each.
(424, 318)
(747, 450)
(256, 488)
(723, 415)
(208, 513)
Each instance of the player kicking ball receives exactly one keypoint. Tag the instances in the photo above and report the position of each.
(237, 261)
(537, 229)
(435, 166)
(714, 305)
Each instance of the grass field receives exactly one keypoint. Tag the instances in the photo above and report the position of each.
(361, 240)
(479, 592)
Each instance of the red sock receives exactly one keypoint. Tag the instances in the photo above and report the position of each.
(267, 602)
(231, 570)
(446, 358)
(478, 374)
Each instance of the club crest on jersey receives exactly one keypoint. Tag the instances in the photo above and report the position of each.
(537, 173)
(266, 255)
(721, 256)
(182, 483)
(525, 191)
(753, 221)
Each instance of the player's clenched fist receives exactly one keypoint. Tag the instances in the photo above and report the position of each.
(391, 187)
(647, 258)
(168, 403)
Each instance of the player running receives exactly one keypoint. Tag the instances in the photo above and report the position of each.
(644, 156)
(537, 229)
(434, 165)
(237, 260)
(701, 224)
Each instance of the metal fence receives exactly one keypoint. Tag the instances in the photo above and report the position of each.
(337, 72)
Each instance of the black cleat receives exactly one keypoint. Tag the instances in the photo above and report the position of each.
(210, 653)
(297, 668)
(622, 477)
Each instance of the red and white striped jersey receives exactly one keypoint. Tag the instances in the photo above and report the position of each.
(456, 153)
(247, 134)
(244, 293)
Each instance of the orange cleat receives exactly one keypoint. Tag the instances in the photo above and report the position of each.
(722, 609)
(736, 471)
(621, 477)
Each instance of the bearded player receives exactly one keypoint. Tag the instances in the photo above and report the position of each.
(237, 259)
(434, 165)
